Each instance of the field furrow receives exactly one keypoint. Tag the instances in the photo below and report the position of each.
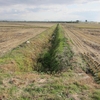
(84, 43)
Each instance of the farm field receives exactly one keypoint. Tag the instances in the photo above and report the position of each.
(13, 34)
(47, 61)
(86, 41)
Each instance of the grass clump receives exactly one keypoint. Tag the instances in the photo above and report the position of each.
(96, 95)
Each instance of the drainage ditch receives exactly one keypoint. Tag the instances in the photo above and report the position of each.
(59, 55)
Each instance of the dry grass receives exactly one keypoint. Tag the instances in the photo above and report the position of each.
(14, 34)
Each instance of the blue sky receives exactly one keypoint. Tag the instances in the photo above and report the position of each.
(50, 10)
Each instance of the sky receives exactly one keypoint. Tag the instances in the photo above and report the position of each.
(50, 10)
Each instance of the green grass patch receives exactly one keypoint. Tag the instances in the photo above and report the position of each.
(96, 95)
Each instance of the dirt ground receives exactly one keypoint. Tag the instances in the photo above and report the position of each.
(13, 34)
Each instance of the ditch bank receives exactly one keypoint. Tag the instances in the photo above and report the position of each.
(24, 57)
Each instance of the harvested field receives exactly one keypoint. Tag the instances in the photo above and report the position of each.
(13, 34)
(86, 42)
(82, 39)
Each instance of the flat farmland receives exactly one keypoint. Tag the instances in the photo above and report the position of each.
(13, 34)
(47, 61)
(85, 39)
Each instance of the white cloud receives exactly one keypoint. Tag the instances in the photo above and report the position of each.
(49, 9)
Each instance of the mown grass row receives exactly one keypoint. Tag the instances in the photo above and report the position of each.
(58, 57)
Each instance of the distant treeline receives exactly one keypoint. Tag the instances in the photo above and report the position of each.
(44, 21)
